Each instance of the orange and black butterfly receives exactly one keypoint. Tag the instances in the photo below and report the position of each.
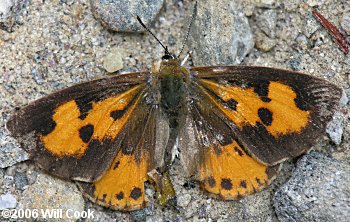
(233, 126)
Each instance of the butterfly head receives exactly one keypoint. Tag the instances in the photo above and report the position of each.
(169, 58)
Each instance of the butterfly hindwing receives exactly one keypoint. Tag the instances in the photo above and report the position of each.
(274, 114)
(122, 185)
(225, 169)
(75, 133)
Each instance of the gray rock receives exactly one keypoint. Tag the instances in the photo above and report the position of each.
(220, 33)
(7, 201)
(121, 15)
(10, 11)
(267, 21)
(10, 152)
(51, 193)
(318, 191)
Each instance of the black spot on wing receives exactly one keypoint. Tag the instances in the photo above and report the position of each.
(120, 195)
(116, 165)
(265, 99)
(259, 181)
(265, 116)
(226, 184)
(84, 107)
(300, 102)
(262, 89)
(211, 182)
(136, 193)
(104, 197)
(240, 153)
(47, 126)
(243, 184)
(117, 114)
(232, 104)
(86, 132)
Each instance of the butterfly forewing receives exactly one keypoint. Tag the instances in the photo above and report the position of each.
(274, 114)
(76, 132)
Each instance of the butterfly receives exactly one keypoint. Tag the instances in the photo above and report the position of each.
(233, 127)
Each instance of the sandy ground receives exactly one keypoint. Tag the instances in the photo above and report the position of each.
(60, 44)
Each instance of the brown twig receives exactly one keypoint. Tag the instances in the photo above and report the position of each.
(337, 35)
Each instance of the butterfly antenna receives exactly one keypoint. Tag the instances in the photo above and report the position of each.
(194, 11)
(145, 27)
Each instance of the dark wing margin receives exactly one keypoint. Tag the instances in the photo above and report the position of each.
(275, 114)
(64, 131)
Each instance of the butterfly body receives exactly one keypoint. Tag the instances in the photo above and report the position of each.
(173, 91)
(233, 125)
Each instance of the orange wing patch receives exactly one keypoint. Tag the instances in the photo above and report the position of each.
(279, 114)
(122, 186)
(228, 172)
(72, 133)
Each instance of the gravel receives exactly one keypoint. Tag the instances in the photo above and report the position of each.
(56, 44)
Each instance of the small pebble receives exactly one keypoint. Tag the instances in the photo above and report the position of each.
(113, 61)
(313, 3)
(335, 128)
(7, 201)
(263, 42)
(265, 3)
(21, 180)
(138, 215)
(202, 212)
(8, 181)
(183, 200)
